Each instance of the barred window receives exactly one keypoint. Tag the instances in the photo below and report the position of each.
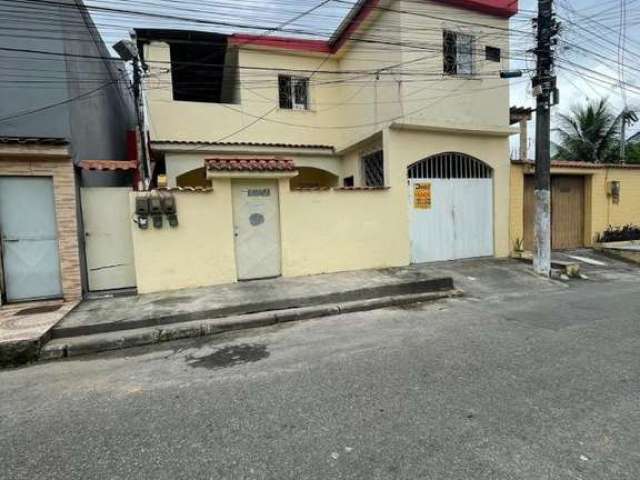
(293, 92)
(457, 53)
(373, 169)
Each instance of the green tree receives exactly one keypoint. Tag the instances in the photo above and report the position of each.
(633, 153)
(589, 133)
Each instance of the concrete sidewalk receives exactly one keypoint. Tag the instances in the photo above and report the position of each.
(121, 322)
(24, 327)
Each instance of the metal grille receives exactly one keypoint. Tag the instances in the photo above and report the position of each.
(450, 165)
(373, 169)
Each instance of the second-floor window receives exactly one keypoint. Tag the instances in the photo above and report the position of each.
(458, 53)
(293, 92)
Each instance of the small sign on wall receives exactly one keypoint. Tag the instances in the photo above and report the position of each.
(422, 196)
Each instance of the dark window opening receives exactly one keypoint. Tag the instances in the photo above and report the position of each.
(293, 92)
(204, 72)
(373, 169)
(348, 182)
(493, 54)
(457, 51)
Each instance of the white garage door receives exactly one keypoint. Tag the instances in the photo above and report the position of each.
(451, 208)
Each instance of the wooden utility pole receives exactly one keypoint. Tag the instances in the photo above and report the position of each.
(544, 87)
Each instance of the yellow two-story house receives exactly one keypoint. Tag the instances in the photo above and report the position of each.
(385, 145)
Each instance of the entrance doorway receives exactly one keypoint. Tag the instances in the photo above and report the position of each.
(108, 242)
(256, 222)
(567, 212)
(29, 234)
(451, 208)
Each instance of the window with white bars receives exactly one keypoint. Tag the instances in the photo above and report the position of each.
(373, 169)
(458, 53)
(293, 92)
(450, 165)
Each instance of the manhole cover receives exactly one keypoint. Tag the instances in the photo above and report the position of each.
(37, 310)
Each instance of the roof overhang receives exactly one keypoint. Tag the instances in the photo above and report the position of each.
(354, 20)
(241, 148)
(458, 129)
(29, 147)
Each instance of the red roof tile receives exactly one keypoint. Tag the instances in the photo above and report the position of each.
(185, 189)
(250, 164)
(109, 165)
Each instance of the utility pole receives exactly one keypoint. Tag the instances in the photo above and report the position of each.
(623, 136)
(137, 95)
(544, 87)
(129, 53)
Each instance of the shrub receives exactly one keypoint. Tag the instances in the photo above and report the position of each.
(620, 234)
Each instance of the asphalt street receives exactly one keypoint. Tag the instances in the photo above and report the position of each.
(541, 382)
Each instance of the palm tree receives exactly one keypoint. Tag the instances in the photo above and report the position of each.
(589, 133)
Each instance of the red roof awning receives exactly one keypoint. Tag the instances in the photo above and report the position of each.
(250, 165)
(109, 165)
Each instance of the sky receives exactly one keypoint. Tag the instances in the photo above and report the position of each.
(590, 50)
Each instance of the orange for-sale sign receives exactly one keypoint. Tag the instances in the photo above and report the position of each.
(422, 196)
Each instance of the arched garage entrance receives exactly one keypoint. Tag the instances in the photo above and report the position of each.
(451, 208)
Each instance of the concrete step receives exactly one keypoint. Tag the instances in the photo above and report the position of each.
(139, 318)
(76, 345)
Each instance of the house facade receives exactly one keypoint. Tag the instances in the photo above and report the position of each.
(387, 144)
(62, 102)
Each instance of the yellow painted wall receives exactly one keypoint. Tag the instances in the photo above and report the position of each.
(604, 211)
(198, 253)
(333, 231)
(600, 210)
(173, 120)
(516, 205)
(481, 101)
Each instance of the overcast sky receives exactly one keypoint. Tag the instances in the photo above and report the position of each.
(590, 37)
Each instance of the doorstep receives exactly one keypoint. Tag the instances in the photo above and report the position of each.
(25, 327)
(108, 324)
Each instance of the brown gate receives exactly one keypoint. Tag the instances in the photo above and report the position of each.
(567, 212)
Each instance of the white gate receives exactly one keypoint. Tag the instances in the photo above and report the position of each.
(451, 208)
(256, 222)
(29, 232)
(107, 235)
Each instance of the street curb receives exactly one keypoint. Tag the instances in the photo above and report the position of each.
(366, 293)
(76, 346)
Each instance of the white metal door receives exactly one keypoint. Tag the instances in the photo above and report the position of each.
(451, 208)
(473, 217)
(29, 233)
(256, 218)
(108, 242)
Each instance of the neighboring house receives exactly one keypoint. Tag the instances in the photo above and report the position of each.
(63, 101)
(387, 144)
(586, 198)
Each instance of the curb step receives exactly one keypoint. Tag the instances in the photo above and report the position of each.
(158, 320)
(101, 342)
